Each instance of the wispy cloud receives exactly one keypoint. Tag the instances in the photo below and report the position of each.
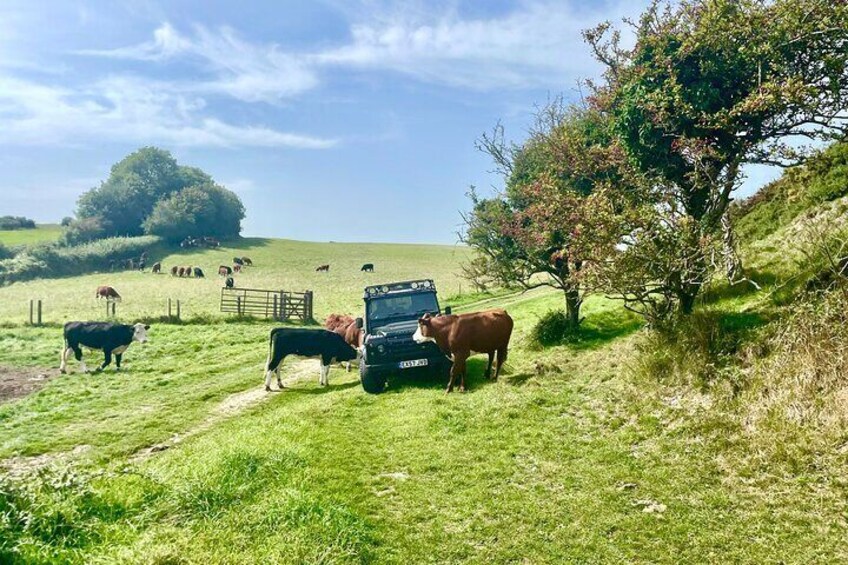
(125, 109)
(237, 68)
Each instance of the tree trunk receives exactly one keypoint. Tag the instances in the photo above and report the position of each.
(572, 306)
(732, 261)
(687, 298)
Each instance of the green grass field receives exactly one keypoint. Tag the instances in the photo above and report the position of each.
(278, 264)
(44, 233)
(569, 457)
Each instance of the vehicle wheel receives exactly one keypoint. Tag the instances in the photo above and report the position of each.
(372, 381)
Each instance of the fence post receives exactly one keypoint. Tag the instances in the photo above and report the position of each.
(307, 307)
(39, 311)
(30, 311)
(169, 308)
(238, 305)
(275, 307)
(178, 309)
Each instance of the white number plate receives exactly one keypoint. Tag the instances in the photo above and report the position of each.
(414, 363)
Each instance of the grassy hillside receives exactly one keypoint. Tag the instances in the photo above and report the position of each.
(278, 264)
(564, 459)
(44, 233)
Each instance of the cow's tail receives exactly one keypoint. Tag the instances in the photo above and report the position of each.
(270, 352)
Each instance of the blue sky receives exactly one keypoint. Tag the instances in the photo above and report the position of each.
(333, 120)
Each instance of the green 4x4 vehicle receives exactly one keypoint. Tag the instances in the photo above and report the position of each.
(391, 317)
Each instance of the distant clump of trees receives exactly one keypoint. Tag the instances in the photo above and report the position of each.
(149, 193)
(16, 223)
(629, 194)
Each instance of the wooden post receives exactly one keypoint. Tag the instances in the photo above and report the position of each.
(114, 307)
(30, 311)
(169, 308)
(307, 306)
(178, 309)
(238, 305)
(39, 311)
(275, 307)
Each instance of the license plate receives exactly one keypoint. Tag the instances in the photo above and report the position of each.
(414, 363)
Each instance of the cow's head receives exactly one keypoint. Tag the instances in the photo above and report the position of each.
(424, 333)
(140, 332)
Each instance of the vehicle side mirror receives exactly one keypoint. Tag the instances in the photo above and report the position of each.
(448, 310)
(359, 323)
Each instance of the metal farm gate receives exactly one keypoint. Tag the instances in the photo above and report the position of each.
(276, 304)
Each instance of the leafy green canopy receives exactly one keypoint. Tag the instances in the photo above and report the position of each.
(125, 202)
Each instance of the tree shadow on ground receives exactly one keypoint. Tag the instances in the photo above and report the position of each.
(475, 378)
(597, 330)
(313, 390)
(724, 290)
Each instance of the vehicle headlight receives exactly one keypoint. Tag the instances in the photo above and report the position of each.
(381, 348)
(426, 284)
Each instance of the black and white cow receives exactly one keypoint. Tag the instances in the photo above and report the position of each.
(329, 346)
(107, 337)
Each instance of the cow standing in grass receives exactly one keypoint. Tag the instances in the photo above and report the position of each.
(111, 339)
(108, 293)
(327, 346)
(458, 336)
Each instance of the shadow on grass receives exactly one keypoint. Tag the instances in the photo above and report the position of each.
(319, 389)
(725, 290)
(475, 378)
(598, 329)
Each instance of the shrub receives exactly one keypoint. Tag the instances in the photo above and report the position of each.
(700, 350)
(85, 230)
(16, 223)
(554, 328)
(55, 261)
(5, 252)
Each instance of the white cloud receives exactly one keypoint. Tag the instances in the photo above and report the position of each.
(540, 44)
(125, 109)
(237, 68)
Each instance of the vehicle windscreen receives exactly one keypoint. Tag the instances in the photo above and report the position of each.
(404, 307)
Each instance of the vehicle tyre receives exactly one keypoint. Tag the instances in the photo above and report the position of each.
(372, 381)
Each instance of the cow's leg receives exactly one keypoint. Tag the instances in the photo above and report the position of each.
(66, 353)
(501, 361)
(107, 359)
(272, 367)
(78, 356)
(460, 366)
(489, 366)
(453, 373)
(118, 357)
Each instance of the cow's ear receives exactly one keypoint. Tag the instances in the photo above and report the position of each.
(146, 327)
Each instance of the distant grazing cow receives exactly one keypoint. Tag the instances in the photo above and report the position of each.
(174, 271)
(326, 345)
(188, 271)
(247, 261)
(323, 268)
(368, 268)
(181, 271)
(108, 293)
(236, 268)
(157, 268)
(230, 283)
(198, 272)
(458, 336)
(237, 261)
(104, 336)
(223, 270)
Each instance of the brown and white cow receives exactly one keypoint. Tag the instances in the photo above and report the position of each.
(108, 293)
(236, 268)
(461, 335)
(174, 271)
(181, 271)
(224, 270)
(157, 268)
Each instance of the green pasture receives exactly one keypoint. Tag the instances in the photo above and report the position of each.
(278, 264)
(43, 233)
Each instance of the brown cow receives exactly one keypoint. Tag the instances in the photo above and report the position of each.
(188, 271)
(247, 261)
(174, 271)
(223, 270)
(181, 271)
(325, 268)
(345, 326)
(157, 268)
(108, 293)
(236, 268)
(334, 321)
(460, 335)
